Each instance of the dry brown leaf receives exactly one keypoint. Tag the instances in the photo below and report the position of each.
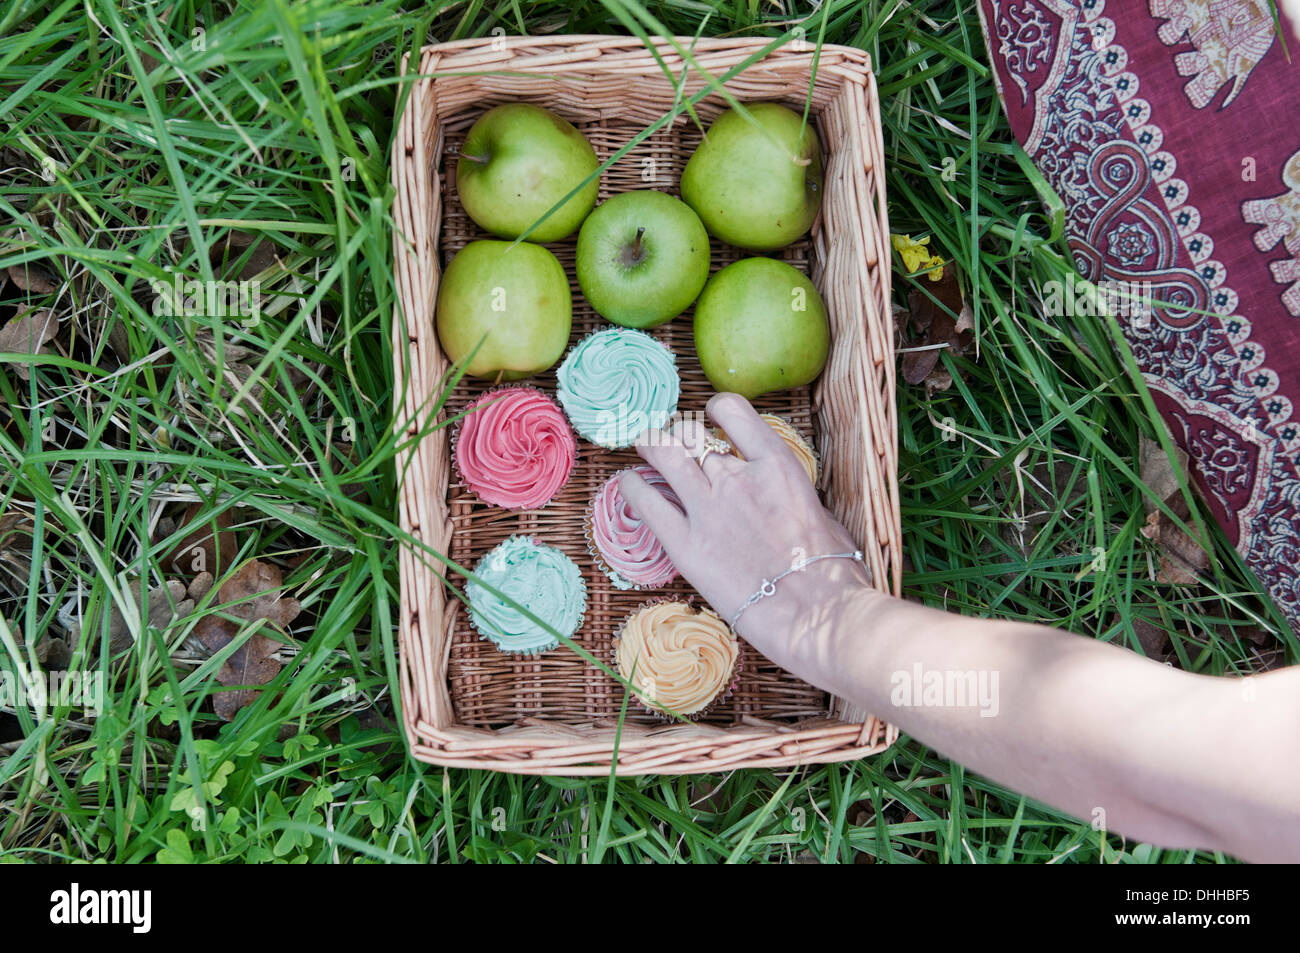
(28, 333)
(16, 546)
(53, 653)
(1260, 637)
(256, 588)
(200, 586)
(262, 257)
(158, 612)
(209, 547)
(1182, 559)
(31, 277)
(861, 813)
(1153, 639)
(935, 330)
(1158, 472)
(119, 340)
(231, 353)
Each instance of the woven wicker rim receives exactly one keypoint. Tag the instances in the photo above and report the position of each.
(590, 77)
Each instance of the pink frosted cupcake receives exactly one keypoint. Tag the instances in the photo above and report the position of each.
(515, 448)
(621, 544)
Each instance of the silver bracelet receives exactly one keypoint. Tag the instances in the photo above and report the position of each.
(768, 587)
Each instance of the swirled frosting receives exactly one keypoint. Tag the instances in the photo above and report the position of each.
(631, 554)
(541, 578)
(515, 449)
(615, 384)
(683, 659)
(802, 450)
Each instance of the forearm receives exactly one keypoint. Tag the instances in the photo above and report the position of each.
(1146, 750)
(1170, 757)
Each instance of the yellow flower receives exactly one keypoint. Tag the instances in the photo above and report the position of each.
(916, 255)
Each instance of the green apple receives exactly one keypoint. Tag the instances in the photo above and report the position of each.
(760, 326)
(756, 185)
(517, 162)
(512, 298)
(642, 258)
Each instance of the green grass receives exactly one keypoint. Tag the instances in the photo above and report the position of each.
(135, 139)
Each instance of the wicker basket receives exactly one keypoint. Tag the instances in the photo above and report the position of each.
(463, 703)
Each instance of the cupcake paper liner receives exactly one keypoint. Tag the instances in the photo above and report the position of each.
(598, 558)
(722, 696)
(554, 642)
(458, 427)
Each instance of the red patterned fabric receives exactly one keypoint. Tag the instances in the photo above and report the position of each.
(1171, 129)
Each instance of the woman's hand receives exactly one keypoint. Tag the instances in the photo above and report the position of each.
(746, 521)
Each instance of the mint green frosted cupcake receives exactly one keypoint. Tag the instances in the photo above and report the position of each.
(541, 578)
(617, 383)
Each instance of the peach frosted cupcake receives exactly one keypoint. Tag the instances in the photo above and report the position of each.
(682, 661)
(801, 448)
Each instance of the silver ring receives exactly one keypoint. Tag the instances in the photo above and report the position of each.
(713, 445)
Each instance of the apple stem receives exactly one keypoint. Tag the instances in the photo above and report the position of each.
(636, 247)
(481, 160)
